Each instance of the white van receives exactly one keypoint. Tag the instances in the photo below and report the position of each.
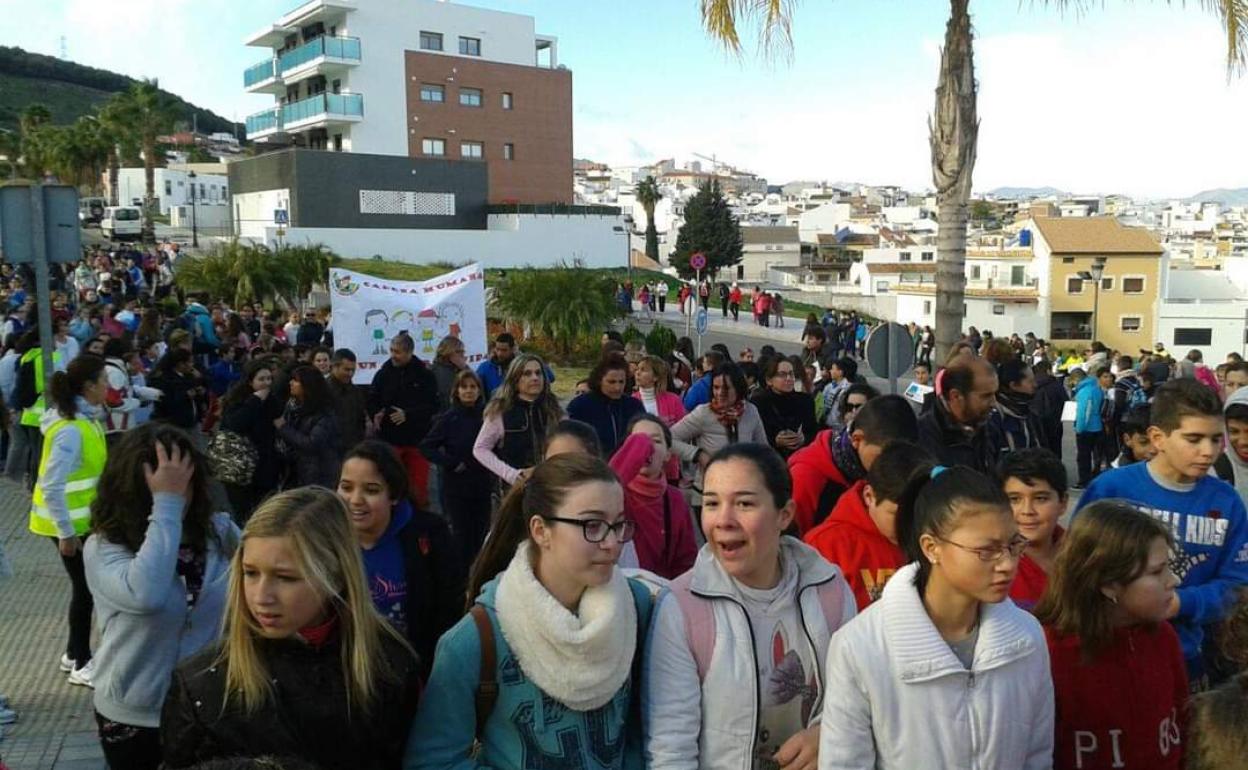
(121, 223)
(91, 210)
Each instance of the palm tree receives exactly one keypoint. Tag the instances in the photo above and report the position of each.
(149, 113)
(953, 125)
(11, 149)
(35, 140)
(566, 304)
(648, 195)
(124, 141)
(79, 151)
(307, 266)
(239, 271)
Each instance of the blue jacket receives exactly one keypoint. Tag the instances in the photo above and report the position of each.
(492, 375)
(699, 393)
(609, 417)
(526, 728)
(1210, 536)
(202, 320)
(1088, 401)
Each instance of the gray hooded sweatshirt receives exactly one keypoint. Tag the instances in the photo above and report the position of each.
(1239, 466)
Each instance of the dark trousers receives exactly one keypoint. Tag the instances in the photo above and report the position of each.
(127, 747)
(735, 308)
(723, 307)
(469, 514)
(80, 607)
(1086, 446)
(662, 302)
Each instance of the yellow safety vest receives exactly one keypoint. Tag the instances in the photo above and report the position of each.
(80, 486)
(32, 414)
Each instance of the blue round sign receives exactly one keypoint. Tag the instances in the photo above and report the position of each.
(701, 322)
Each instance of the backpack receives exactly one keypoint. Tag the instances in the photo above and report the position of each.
(232, 457)
(699, 614)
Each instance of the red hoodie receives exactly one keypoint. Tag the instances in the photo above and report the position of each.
(1031, 579)
(667, 552)
(850, 539)
(1124, 709)
(813, 468)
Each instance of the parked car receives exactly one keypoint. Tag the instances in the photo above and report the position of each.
(122, 223)
(91, 210)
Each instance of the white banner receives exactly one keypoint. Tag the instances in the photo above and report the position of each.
(369, 312)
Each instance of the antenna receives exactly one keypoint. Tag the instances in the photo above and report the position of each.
(64, 48)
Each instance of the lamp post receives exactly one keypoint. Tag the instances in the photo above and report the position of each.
(1095, 275)
(194, 214)
(627, 229)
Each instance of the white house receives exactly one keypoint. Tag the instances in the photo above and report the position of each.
(1203, 310)
(173, 188)
(764, 248)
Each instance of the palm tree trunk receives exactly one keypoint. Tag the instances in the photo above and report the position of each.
(149, 192)
(954, 129)
(114, 175)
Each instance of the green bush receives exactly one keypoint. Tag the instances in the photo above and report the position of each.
(633, 334)
(661, 341)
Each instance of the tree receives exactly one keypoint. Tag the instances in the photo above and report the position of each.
(36, 140)
(567, 304)
(981, 210)
(648, 195)
(306, 265)
(149, 113)
(710, 228)
(79, 152)
(242, 272)
(124, 142)
(954, 124)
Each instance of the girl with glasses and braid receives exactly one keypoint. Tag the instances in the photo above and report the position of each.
(943, 672)
(542, 671)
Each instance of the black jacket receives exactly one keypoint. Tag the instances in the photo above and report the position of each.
(177, 405)
(411, 388)
(309, 718)
(253, 418)
(309, 333)
(449, 444)
(436, 580)
(351, 405)
(787, 411)
(1047, 405)
(951, 443)
(608, 416)
(313, 447)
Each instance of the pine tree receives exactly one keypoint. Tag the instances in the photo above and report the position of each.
(709, 228)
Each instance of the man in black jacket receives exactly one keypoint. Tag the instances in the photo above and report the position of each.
(1047, 405)
(403, 399)
(953, 429)
(349, 401)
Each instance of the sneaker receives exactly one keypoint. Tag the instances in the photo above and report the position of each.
(67, 664)
(82, 676)
(7, 716)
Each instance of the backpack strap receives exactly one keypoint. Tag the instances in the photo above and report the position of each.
(699, 615)
(487, 684)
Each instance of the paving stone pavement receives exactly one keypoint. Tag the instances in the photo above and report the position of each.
(56, 725)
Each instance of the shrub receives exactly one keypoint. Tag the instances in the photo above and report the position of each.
(661, 341)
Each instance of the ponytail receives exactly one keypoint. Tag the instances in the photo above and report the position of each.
(66, 386)
(929, 506)
(540, 494)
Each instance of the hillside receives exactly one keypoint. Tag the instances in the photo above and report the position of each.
(70, 90)
(1236, 197)
(1022, 193)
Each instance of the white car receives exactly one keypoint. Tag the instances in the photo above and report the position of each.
(122, 223)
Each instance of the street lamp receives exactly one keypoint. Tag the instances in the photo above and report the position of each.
(194, 214)
(627, 229)
(1095, 274)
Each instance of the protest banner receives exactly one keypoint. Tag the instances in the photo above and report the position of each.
(370, 311)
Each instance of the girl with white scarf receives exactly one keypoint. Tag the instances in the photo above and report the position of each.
(567, 629)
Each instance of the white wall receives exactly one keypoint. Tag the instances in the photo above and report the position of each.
(1227, 320)
(755, 261)
(828, 218)
(510, 241)
(1018, 318)
(253, 212)
(131, 184)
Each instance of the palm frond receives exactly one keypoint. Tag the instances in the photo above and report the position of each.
(724, 19)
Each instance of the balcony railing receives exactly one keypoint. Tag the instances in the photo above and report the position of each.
(263, 121)
(277, 118)
(258, 73)
(333, 47)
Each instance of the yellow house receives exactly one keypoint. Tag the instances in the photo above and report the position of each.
(1124, 307)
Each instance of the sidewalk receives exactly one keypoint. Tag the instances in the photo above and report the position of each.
(715, 322)
(56, 728)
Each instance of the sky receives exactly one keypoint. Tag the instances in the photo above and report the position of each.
(1125, 97)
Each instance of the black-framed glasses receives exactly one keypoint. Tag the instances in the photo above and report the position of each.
(996, 553)
(595, 530)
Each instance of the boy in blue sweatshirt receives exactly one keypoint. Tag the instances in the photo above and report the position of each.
(1205, 514)
(1089, 398)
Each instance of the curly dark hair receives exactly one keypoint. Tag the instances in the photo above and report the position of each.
(123, 502)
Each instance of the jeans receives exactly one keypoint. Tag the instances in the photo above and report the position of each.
(1085, 445)
(662, 303)
(127, 747)
(723, 307)
(735, 308)
(469, 514)
(80, 606)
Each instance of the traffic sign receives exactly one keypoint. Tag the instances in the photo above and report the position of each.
(61, 229)
(281, 217)
(698, 261)
(702, 321)
(890, 352)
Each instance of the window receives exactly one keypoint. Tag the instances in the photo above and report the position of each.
(469, 46)
(509, 151)
(432, 93)
(474, 150)
(975, 272)
(1134, 285)
(507, 101)
(168, 187)
(431, 41)
(1193, 336)
(904, 256)
(1107, 283)
(433, 146)
(470, 97)
(881, 287)
(1074, 284)
(927, 307)
(998, 309)
(928, 256)
(1018, 275)
(1130, 323)
(1068, 260)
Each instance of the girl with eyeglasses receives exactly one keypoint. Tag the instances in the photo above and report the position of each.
(543, 669)
(788, 414)
(943, 672)
(734, 669)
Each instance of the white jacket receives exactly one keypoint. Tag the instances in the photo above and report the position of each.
(899, 698)
(693, 724)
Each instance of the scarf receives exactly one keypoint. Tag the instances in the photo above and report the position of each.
(846, 457)
(649, 399)
(648, 488)
(728, 417)
(1018, 404)
(580, 660)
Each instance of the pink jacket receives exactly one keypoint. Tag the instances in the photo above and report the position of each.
(664, 540)
(671, 408)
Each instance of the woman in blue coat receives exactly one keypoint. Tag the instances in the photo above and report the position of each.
(607, 406)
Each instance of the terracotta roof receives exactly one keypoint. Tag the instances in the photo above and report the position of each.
(643, 262)
(901, 267)
(895, 237)
(768, 235)
(1095, 235)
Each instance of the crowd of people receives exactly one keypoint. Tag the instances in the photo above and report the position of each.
(696, 561)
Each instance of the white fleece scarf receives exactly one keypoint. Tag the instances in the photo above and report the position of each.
(579, 660)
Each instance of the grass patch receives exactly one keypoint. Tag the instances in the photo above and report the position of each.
(396, 271)
(566, 378)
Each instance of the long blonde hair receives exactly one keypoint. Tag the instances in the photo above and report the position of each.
(505, 395)
(327, 553)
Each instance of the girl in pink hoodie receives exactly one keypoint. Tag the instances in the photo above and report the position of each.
(665, 539)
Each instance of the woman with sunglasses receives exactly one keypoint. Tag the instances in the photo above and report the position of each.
(556, 634)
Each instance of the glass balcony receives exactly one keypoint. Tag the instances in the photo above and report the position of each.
(263, 121)
(333, 47)
(258, 73)
(349, 105)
